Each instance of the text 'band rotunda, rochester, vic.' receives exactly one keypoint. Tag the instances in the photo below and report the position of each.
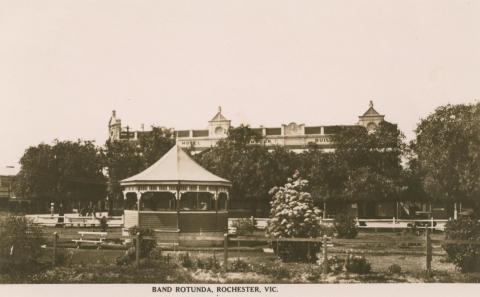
(295, 137)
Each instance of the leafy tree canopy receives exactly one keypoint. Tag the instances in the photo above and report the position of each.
(364, 166)
(447, 153)
(64, 172)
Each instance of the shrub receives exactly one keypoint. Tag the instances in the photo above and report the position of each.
(239, 265)
(63, 258)
(20, 245)
(327, 230)
(357, 264)
(103, 224)
(394, 269)
(297, 251)
(200, 263)
(156, 254)
(281, 272)
(294, 215)
(146, 245)
(186, 261)
(335, 265)
(212, 263)
(466, 257)
(278, 271)
(244, 226)
(123, 260)
(314, 273)
(345, 226)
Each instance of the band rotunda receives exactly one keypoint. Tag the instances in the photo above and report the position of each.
(177, 198)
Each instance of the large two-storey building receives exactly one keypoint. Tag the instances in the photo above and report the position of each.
(295, 137)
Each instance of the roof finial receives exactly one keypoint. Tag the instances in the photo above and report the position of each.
(371, 104)
(114, 113)
(219, 109)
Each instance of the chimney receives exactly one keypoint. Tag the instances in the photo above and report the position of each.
(114, 114)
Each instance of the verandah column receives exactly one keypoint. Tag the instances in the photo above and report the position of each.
(177, 205)
(215, 197)
(139, 201)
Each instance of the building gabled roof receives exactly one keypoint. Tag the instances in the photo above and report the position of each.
(371, 112)
(219, 116)
(176, 167)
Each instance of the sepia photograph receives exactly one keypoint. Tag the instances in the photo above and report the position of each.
(216, 148)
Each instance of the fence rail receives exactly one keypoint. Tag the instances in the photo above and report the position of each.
(75, 220)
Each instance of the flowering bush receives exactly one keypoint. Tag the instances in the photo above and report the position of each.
(293, 214)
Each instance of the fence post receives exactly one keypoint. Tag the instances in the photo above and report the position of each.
(277, 252)
(325, 256)
(137, 250)
(55, 237)
(225, 252)
(428, 247)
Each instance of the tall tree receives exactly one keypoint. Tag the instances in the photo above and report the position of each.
(65, 172)
(447, 149)
(372, 162)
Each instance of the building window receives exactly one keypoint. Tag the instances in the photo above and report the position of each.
(184, 133)
(331, 129)
(200, 133)
(273, 131)
(312, 130)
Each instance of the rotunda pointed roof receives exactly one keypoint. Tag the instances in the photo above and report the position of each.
(175, 167)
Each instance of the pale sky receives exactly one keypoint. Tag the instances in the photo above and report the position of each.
(65, 65)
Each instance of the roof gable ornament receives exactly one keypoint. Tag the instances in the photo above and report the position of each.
(371, 112)
(219, 116)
